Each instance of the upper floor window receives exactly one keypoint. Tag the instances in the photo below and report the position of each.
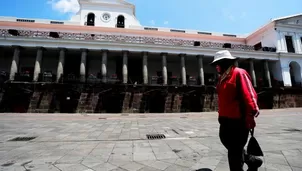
(120, 22)
(258, 46)
(289, 44)
(90, 19)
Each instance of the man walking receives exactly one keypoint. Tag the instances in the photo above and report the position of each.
(237, 108)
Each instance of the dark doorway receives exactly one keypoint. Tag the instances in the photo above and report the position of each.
(157, 102)
(120, 22)
(72, 68)
(185, 103)
(195, 102)
(69, 101)
(295, 74)
(289, 44)
(112, 102)
(135, 71)
(16, 100)
(119, 68)
(90, 19)
(265, 100)
(192, 102)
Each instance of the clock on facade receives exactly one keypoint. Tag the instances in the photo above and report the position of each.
(106, 17)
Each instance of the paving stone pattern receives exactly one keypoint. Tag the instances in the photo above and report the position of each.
(103, 142)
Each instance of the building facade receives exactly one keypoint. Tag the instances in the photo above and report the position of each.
(105, 61)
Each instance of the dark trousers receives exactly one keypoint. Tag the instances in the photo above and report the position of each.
(234, 135)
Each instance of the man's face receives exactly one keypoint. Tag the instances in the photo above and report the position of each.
(218, 69)
(223, 65)
(218, 66)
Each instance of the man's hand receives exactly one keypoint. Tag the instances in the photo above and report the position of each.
(250, 121)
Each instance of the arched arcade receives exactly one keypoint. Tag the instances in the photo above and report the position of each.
(295, 73)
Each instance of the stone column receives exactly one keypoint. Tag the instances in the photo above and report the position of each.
(125, 67)
(83, 65)
(60, 69)
(286, 76)
(145, 68)
(282, 47)
(297, 39)
(165, 72)
(279, 42)
(37, 69)
(104, 65)
(252, 72)
(15, 63)
(183, 69)
(200, 71)
(267, 74)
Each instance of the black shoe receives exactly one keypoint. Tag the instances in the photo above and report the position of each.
(252, 162)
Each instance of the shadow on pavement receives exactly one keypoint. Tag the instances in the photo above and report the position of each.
(204, 169)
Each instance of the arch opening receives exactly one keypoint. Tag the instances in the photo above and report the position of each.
(120, 22)
(295, 74)
(90, 19)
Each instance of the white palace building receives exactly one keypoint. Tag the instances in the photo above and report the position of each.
(104, 60)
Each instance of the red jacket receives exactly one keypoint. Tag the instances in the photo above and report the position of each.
(234, 89)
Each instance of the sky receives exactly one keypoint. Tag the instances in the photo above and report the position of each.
(224, 16)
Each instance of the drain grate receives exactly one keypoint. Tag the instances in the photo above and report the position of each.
(175, 131)
(23, 139)
(293, 130)
(8, 164)
(155, 136)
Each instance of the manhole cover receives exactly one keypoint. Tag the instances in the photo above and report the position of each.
(155, 136)
(23, 139)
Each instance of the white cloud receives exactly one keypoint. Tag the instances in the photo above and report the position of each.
(152, 22)
(64, 6)
(166, 22)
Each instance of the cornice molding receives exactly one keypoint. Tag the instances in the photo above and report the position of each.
(293, 26)
(290, 55)
(121, 38)
(114, 46)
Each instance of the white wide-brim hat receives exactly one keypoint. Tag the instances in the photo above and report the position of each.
(223, 54)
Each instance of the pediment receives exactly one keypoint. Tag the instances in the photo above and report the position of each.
(296, 20)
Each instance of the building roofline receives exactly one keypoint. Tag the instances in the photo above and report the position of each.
(144, 29)
(159, 29)
(287, 17)
(272, 21)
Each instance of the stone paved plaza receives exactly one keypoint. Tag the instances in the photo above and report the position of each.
(118, 142)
